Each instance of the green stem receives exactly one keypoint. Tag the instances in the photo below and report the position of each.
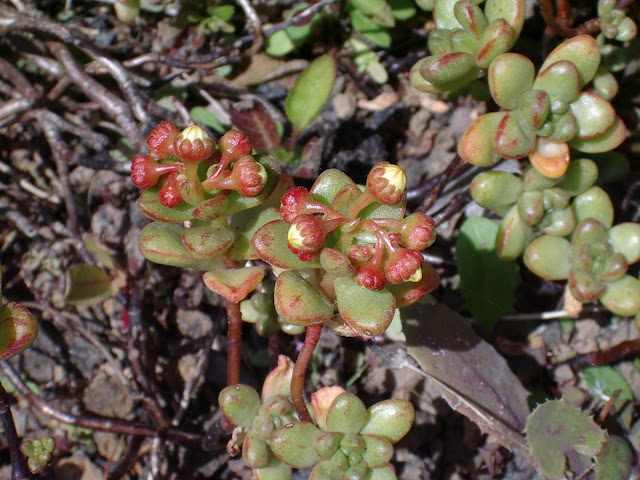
(311, 338)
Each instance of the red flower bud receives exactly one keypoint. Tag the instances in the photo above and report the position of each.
(235, 144)
(145, 171)
(160, 140)
(169, 195)
(387, 183)
(306, 233)
(371, 277)
(360, 253)
(418, 231)
(248, 176)
(193, 145)
(298, 201)
(304, 256)
(402, 265)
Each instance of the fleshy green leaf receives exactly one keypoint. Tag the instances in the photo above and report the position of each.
(511, 10)
(244, 225)
(510, 76)
(391, 419)
(476, 144)
(594, 203)
(581, 174)
(548, 257)
(582, 51)
(240, 403)
(562, 438)
(328, 184)
(473, 378)
(625, 238)
(299, 302)
(512, 235)
(150, 205)
(88, 285)
(347, 414)
(495, 189)
(270, 242)
(512, 138)
(487, 283)
(594, 115)
(18, 329)
(234, 284)
(561, 81)
(367, 311)
(609, 140)
(207, 241)
(623, 297)
(293, 444)
(311, 91)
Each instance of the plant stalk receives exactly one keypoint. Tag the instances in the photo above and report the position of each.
(19, 470)
(234, 337)
(311, 338)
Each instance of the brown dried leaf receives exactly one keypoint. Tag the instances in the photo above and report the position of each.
(473, 378)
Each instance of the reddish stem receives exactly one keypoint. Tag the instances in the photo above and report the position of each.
(300, 369)
(234, 337)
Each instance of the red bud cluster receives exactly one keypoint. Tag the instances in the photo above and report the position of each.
(145, 171)
(418, 231)
(387, 183)
(193, 145)
(160, 140)
(403, 264)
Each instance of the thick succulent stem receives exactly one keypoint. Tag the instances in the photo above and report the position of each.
(234, 337)
(19, 470)
(300, 369)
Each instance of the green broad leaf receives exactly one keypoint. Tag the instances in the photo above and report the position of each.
(609, 140)
(623, 296)
(276, 470)
(18, 330)
(390, 419)
(594, 203)
(270, 243)
(207, 241)
(205, 117)
(549, 257)
(510, 77)
(88, 285)
(443, 14)
(563, 439)
(494, 189)
(603, 381)
(328, 184)
(347, 414)
(487, 283)
(594, 115)
(373, 31)
(293, 444)
(150, 205)
(402, 9)
(471, 375)
(279, 44)
(625, 238)
(583, 51)
(234, 284)
(368, 312)
(476, 144)
(240, 403)
(614, 461)
(512, 11)
(244, 225)
(311, 91)
(299, 302)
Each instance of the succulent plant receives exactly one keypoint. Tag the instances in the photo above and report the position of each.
(38, 452)
(595, 262)
(466, 41)
(338, 244)
(544, 115)
(536, 203)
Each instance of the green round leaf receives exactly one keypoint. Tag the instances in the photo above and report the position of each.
(18, 329)
(379, 451)
(548, 257)
(240, 403)
(390, 419)
(495, 189)
(511, 10)
(512, 235)
(623, 297)
(234, 284)
(625, 238)
(581, 174)
(88, 285)
(583, 51)
(299, 302)
(368, 312)
(497, 38)
(476, 144)
(594, 203)
(561, 81)
(594, 115)
(510, 77)
(609, 140)
(347, 414)
(293, 444)
(207, 241)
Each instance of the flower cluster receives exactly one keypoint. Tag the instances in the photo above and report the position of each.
(178, 159)
(358, 243)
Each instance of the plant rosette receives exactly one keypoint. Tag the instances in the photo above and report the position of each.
(466, 41)
(595, 262)
(338, 246)
(536, 204)
(544, 115)
(190, 188)
(347, 440)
